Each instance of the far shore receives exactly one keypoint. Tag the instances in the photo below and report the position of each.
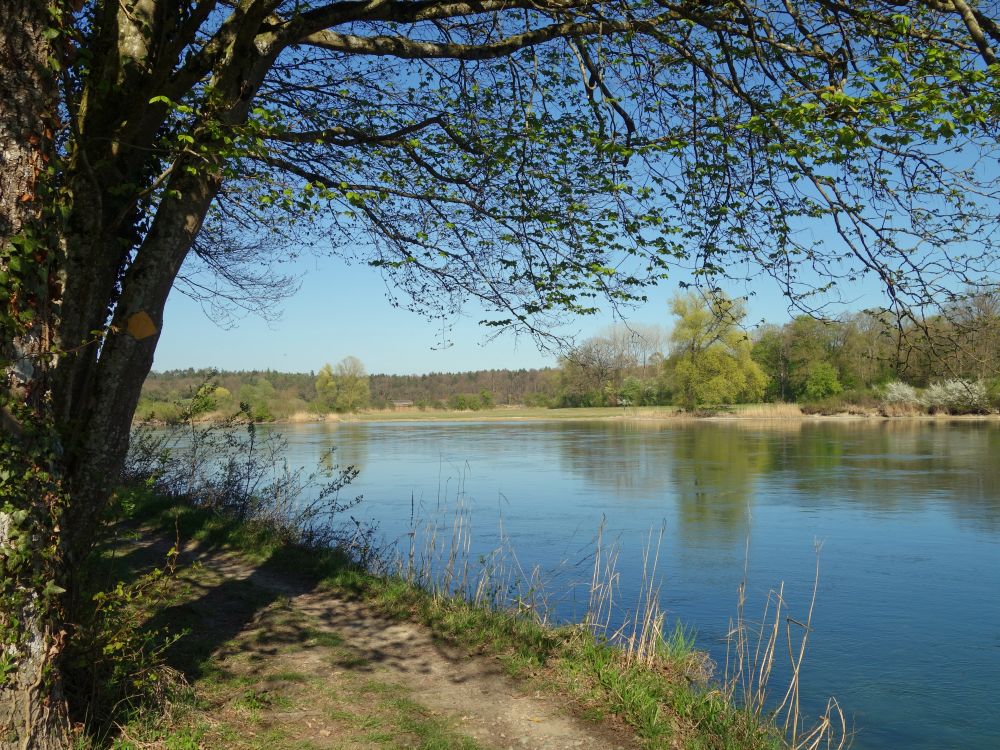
(787, 413)
(743, 412)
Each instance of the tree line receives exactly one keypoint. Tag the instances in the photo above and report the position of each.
(343, 387)
(712, 358)
(706, 358)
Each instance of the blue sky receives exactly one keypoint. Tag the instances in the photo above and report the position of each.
(339, 310)
(342, 310)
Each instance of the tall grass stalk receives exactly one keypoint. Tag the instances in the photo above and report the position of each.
(642, 636)
(751, 654)
(439, 560)
(603, 583)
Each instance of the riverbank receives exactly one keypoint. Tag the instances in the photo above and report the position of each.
(742, 412)
(285, 647)
(641, 413)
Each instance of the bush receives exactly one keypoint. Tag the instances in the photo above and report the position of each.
(898, 392)
(158, 411)
(230, 469)
(994, 392)
(115, 667)
(857, 402)
(899, 399)
(538, 399)
(957, 396)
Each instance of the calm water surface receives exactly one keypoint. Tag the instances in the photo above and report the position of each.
(907, 622)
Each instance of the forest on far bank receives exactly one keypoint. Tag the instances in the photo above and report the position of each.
(707, 359)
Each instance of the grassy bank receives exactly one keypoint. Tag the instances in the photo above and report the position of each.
(663, 699)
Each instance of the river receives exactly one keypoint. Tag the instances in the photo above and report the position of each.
(906, 628)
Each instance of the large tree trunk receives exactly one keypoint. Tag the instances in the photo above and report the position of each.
(32, 711)
(112, 269)
(98, 433)
(99, 302)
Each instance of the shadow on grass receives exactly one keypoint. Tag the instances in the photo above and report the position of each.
(238, 606)
(218, 603)
(223, 610)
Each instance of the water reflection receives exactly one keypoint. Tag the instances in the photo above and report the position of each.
(711, 467)
(624, 459)
(713, 474)
(326, 447)
(900, 466)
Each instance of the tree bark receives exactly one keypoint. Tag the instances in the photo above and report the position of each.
(33, 713)
(96, 388)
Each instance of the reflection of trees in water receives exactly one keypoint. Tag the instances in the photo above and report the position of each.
(342, 446)
(714, 469)
(711, 466)
(628, 459)
(900, 465)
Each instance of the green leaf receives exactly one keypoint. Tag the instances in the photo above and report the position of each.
(53, 589)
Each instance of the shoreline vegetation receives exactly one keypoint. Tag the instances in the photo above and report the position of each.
(709, 367)
(284, 572)
(742, 412)
(613, 413)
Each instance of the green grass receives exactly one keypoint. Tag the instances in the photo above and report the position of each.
(431, 733)
(392, 720)
(289, 677)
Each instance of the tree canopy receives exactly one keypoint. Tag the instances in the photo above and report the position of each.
(536, 155)
(710, 358)
(344, 387)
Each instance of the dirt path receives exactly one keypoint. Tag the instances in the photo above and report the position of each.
(279, 664)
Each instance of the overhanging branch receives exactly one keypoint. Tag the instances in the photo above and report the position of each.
(413, 49)
(403, 12)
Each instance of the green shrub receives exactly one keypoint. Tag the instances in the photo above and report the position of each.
(114, 665)
(993, 392)
(822, 382)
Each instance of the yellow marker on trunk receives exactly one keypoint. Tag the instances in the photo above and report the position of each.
(141, 326)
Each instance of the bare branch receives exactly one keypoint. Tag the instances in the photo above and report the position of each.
(354, 137)
(413, 49)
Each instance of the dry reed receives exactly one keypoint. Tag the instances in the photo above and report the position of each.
(751, 654)
(768, 411)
